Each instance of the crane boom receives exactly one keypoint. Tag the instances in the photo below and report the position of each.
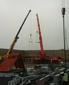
(40, 37)
(16, 37)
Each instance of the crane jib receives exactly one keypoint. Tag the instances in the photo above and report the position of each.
(15, 39)
(22, 24)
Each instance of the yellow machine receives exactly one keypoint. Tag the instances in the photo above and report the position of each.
(15, 39)
(9, 51)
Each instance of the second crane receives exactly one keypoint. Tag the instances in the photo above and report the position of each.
(42, 57)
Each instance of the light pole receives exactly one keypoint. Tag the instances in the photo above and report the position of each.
(63, 13)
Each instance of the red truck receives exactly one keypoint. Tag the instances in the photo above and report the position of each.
(56, 59)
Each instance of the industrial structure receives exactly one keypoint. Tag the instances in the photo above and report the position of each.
(42, 57)
(15, 40)
(43, 72)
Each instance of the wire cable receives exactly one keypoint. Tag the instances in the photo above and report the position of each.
(30, 46)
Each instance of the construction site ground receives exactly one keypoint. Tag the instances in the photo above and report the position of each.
(29, 64)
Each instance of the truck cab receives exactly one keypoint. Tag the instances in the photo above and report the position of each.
(56, 59)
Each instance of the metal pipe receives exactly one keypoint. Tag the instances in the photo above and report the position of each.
(63, 13)
(64, 40)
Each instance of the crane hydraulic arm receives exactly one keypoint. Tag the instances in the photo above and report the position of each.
(16, 37)
(42, 57)
(40, 37)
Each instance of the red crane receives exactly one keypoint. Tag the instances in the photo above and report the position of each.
(40, 37)
(41, 58)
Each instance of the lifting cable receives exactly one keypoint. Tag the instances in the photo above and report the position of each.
(37, 39)
(30, 36)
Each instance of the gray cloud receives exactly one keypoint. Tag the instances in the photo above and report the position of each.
(13, 12)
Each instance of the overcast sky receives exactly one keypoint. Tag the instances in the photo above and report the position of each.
(13, 13)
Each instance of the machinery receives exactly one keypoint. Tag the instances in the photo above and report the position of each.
(56, 59)
(15, 39)
(13, 58)
(41, 58)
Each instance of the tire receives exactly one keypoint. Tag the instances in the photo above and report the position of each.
(55, 62)
(44, 62)
(40, 61)
(37, 62)
(49, 61)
